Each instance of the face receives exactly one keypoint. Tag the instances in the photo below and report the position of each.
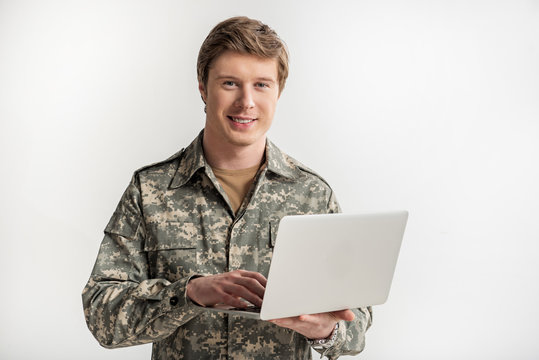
(241, 95)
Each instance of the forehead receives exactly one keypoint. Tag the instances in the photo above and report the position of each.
(234, 64)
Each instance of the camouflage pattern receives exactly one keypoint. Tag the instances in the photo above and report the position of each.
(174, 222)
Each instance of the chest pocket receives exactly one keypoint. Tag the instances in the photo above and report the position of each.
(172, 250)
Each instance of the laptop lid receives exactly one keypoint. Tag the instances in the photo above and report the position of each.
(332, 262)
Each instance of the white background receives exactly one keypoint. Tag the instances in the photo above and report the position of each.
(430, 106)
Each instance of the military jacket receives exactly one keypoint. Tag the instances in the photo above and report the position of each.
(174, 222)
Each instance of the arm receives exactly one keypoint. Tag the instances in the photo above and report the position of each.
(350, 338)
(123, 306)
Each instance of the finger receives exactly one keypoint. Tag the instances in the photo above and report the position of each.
(252, 285)
(232, 301)
(255, 275)
(335, 316)
(241, 291)
(346, 315)
(307, 318)
(286, 322)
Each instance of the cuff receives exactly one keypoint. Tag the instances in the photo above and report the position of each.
(176, 304)
(338, 337)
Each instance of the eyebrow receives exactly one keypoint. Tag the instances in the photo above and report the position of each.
(267, 79)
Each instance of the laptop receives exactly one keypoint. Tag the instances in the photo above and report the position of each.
(329, 262)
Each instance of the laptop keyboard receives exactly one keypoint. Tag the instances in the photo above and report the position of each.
(252, 309)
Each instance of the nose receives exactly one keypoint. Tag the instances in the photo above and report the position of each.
(245, 99)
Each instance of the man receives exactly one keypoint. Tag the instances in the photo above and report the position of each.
(199, 228)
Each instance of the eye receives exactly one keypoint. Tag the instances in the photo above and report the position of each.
(229, 83)
(262, 85)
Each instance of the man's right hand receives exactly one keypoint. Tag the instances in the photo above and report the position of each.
(228, 288)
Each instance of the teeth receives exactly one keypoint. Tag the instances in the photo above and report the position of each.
(241, 121)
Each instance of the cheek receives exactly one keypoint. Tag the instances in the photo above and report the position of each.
(269, 107)
(219, 101)
(267, 104)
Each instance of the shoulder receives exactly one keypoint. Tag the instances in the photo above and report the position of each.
(305, 173)
(161, 166)
(158, 174)
(288, 167)
(307, 185)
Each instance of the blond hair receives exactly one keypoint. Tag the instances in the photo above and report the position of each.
(246, 36)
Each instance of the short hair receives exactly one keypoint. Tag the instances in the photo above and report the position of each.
(247, 36)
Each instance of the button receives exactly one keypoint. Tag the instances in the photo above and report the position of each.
(174, 301)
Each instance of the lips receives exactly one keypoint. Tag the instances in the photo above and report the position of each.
(241, 119)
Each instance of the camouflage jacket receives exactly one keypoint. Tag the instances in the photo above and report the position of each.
(174, 221)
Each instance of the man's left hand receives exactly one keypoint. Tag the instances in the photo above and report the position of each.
(315, 326)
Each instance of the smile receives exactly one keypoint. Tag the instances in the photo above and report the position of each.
(241, 121)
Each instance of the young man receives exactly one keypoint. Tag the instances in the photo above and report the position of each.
(199, 228)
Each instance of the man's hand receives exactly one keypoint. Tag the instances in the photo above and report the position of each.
(316, 326)
(228, 289)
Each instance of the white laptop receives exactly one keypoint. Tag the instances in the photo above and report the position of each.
(329, 262)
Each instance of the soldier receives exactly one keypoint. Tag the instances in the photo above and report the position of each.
(199, 227)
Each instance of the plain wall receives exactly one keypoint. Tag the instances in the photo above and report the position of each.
(429, 106)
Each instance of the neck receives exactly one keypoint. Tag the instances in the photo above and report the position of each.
(232, 157)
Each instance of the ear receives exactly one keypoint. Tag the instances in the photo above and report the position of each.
(202, 90)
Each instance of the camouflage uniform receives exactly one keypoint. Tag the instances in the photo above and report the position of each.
(173, 222)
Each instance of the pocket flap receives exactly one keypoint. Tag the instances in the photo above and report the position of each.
(172, 235)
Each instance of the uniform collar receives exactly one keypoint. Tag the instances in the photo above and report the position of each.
(193, 160)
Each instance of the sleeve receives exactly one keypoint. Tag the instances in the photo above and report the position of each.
(123, 306)
(351, 334)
